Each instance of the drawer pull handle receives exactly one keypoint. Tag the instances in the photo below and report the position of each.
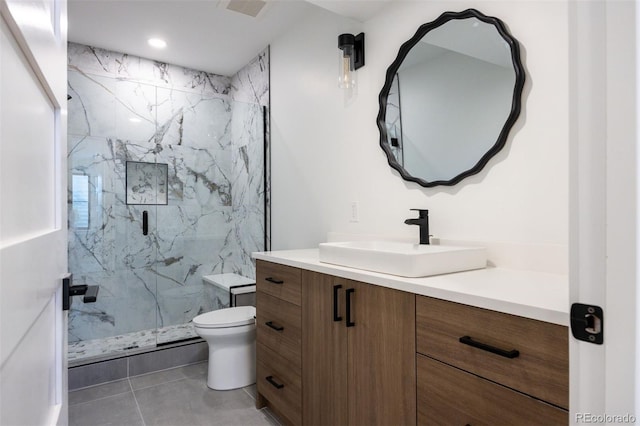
(336, 317)
(272, 325)
(274, 383)
(274, 281)
(507, 354)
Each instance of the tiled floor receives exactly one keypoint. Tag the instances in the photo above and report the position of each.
(175, 397)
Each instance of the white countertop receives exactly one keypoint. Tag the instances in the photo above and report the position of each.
(537, 295)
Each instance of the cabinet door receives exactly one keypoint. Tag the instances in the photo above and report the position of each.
(324, 351)
(382, 380)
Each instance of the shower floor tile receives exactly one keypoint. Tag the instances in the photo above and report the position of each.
(177, 396)
(139, 339)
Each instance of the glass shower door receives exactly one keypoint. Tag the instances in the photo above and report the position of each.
(215, 215)
(111, 126)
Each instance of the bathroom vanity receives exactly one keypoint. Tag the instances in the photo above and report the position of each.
(338, 345)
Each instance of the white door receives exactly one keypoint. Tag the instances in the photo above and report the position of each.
(604, 207)
(33, 221)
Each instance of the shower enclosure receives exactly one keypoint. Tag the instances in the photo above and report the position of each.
(166, 185)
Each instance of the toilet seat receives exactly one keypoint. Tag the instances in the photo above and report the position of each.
(228, 317)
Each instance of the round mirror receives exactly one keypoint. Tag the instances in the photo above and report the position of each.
(450, 98)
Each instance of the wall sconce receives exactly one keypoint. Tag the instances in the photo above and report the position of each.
(351, 58)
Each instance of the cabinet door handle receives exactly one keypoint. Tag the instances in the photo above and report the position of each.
(274, 383)
(273, 280)
(336, 317)
(272, 325)
(349, 292)
(507, 354)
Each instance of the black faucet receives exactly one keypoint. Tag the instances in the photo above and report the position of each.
(423, 222)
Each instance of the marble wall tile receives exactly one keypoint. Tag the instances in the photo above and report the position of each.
(251, 83)
(251, 93)
(132, 109)
(128, 303)
(106, 63)
(136, 110)
(92, 108)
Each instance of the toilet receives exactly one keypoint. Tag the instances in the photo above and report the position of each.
(231, 336)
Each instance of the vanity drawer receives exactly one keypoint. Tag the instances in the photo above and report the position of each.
(541, 368)
(280, 281)
(279, 384)
(279, 327)
(449, 396)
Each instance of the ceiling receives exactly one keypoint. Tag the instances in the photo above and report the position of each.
(200, 34)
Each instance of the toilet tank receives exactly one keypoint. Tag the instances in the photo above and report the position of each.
(241, 290)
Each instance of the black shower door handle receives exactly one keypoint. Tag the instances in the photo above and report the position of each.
(145, 223)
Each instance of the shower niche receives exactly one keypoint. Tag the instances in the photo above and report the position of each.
(146, 183)
(167, 184)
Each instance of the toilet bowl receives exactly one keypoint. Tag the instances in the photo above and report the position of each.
(231, 336)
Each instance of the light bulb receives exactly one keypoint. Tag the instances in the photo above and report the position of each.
(346, 76)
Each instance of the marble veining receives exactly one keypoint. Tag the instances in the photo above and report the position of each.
(251, 83)
(136, 340)
(209, 131)
(105, 63)
(146, 183)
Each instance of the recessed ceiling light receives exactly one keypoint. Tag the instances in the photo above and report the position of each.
(157, 43)
(135, 120)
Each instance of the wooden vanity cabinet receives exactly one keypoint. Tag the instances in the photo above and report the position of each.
(278, 340)
(333, 351)
(477, 366)
(358, 352)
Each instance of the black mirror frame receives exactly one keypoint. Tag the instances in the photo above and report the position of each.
(515, 104)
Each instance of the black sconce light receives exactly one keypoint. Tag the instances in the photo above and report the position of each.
(351, 58)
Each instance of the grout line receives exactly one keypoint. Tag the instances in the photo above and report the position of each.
(97, 384)
(270, 415)
(169, 368)
(248, 393)
(137, 405)
(166, 381)
(97, 399)
(162, 383)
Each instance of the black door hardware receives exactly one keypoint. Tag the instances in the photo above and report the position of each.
(145, 223)
(274, 383)
(349, 292)
(587, 323)
(507, 354)
(273, 280)
(272, 325)
(336, 317)
(90, 292)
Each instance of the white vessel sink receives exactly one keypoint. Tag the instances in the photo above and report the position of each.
(403, 259)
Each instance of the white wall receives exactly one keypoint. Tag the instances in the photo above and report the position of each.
(459, 87)
(325, 147)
